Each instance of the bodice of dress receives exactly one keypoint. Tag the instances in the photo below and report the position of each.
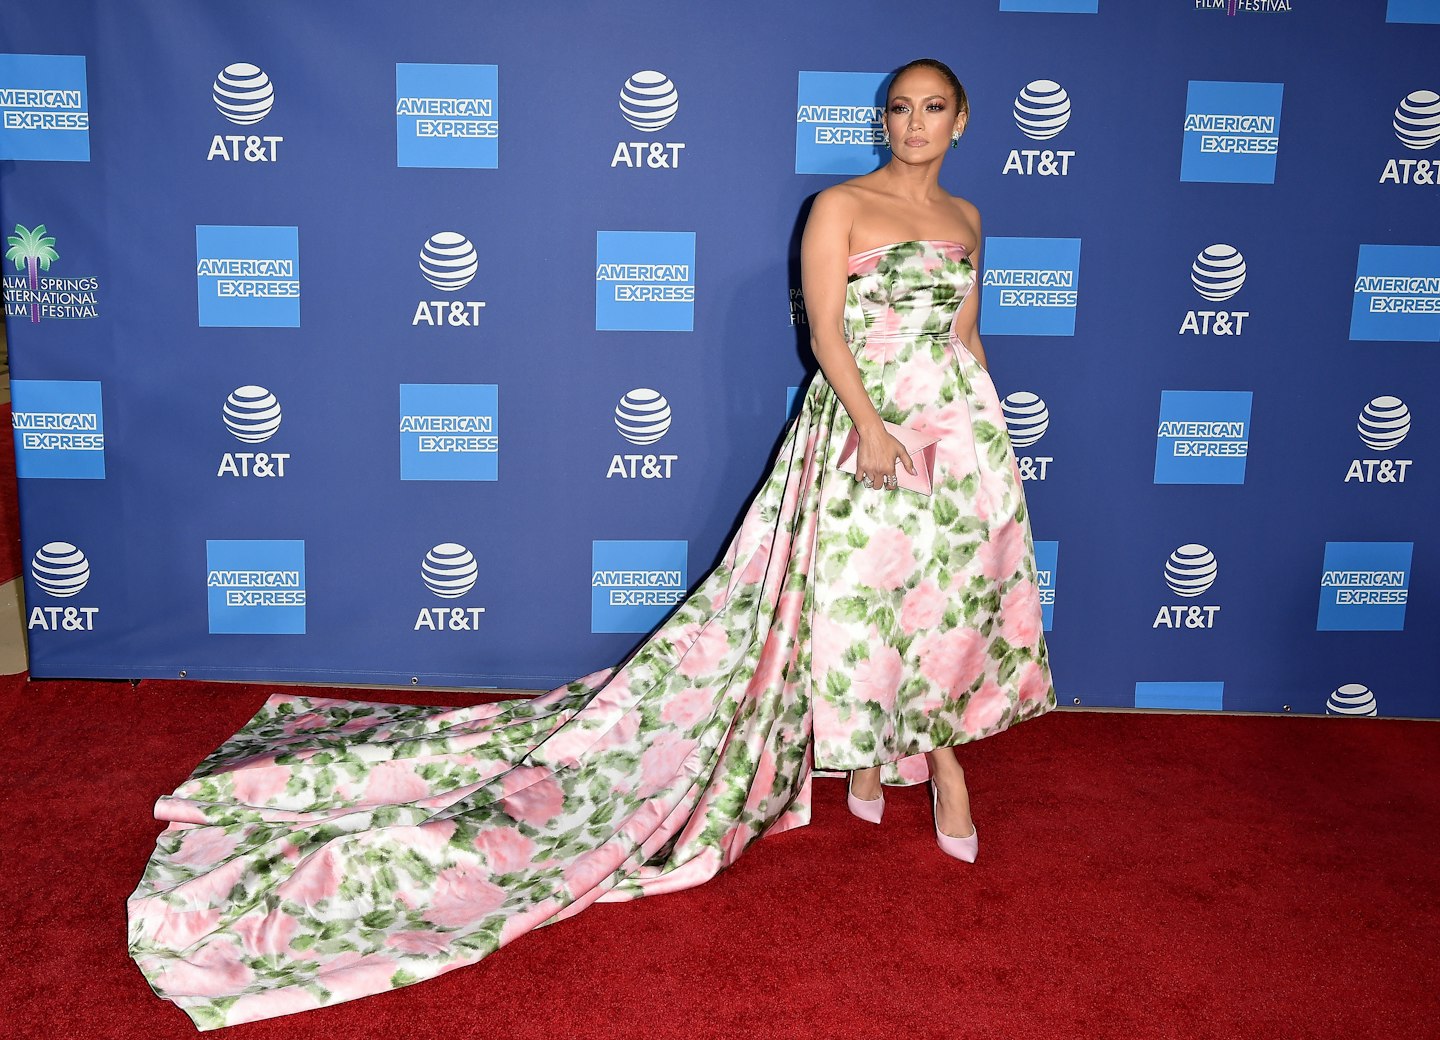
(907, 289)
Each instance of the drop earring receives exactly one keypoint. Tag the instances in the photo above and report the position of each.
(886, 135)
(954, 140)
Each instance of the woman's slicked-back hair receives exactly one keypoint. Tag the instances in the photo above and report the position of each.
(961, 100)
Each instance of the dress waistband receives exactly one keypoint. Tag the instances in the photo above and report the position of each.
(946, 333)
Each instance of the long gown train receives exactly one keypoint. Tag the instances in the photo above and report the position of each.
(332, 849)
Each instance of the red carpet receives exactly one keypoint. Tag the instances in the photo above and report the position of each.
(12, 560)
(1184, 877)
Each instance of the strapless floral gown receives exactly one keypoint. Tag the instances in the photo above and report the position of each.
(332, 848)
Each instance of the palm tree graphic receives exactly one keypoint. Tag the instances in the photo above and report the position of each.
(34, 250)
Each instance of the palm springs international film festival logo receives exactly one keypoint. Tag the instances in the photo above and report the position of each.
(1417, 126)
(450, 571)
(649, 102)
(1203, 437)
(60, 571)
(1364, 586)
(1190, 571)
(449, 431)
(248, 277)
(840, 122)
(448, 261)
(44, 107)
(37, 294)
(1236, 7)
(1027, 418)
(59, 429)
(634, 584)
(1042, 110)
(1383, 424)
(642, 417)
(252, 415)
(1232, 132)
(1030, 287)
(1397, 294)
(645, 281)
(1217, 274)
(256, 586)
(447, 116)
(244, 95)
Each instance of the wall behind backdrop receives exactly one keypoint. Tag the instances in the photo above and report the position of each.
(444, 343)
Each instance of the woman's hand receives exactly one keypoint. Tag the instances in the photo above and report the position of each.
(875, 458)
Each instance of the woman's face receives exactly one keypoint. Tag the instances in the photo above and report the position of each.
(921, 115)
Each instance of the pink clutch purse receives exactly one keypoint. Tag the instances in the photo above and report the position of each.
(920, 446)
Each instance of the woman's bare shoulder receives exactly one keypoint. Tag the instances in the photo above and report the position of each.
(966, 209)
(838, 204)
(846, 194)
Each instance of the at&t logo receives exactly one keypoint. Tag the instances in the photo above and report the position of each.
(1042, 110)
(1383, 424)
(648, 101)
(448, 261)
(1352, 699)
(449, 570)
(1189, 572)
(643, 417)
(252, 415)
(1217, 274)
(1417, 125)
(61, 571)
(244, 95)
(1027, 419)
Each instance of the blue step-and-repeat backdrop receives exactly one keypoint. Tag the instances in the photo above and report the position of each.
(443, 343)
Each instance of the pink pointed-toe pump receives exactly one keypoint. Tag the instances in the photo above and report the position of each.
(961, 848)
(865, 808)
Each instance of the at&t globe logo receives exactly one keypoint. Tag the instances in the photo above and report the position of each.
(1027, 418)
(61, 571)
(252, 415)
(1417, 126)
(1383, 424)
(448, 261)
(244, 95)
(649, 102)
(1189, 572)
(450, 571)
(1042, 111)
(1217, 274)
(642, 417)
(1352, 699)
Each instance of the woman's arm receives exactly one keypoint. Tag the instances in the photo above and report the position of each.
(967, 325)
(824, 272)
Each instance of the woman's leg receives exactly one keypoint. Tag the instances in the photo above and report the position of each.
(953, 811)
(865, 783)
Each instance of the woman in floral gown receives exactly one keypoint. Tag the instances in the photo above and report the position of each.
(334, 848)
